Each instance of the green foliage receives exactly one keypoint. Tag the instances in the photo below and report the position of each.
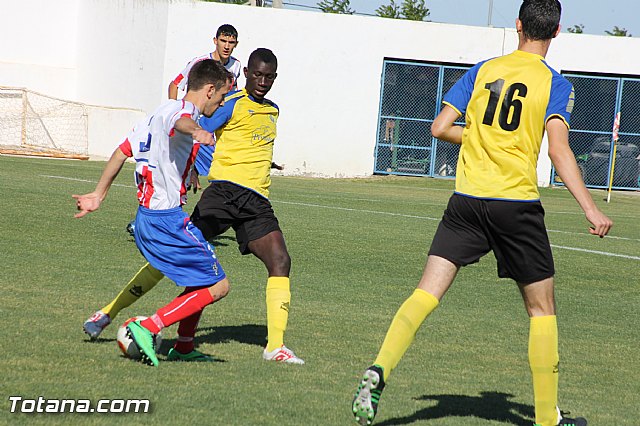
(358, 248)
(618, 32)
(336, 6)
(576, 29)
(392, 10)
(413, 10)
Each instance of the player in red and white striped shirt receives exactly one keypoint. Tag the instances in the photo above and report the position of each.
(164, 146)
(226, 40)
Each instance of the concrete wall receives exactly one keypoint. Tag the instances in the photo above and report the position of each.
(123, 53)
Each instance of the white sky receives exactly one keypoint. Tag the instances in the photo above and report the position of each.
(596, 15)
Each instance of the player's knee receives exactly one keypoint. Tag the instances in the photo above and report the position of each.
(281, 265)
(286, 260)
(220, 289)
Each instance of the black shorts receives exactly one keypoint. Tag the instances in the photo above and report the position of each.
(515, 231)
(225, 205)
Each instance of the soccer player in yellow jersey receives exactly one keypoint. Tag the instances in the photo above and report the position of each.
(237, 197)
(508, 103)
(240, 176)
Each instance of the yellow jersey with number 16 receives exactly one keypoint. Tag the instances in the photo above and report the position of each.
(506, 102)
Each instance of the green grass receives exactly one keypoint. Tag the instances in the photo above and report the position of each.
(358, 248)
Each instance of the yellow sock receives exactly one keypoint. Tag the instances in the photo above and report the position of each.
(146, 278)
(403, 329)
(543, 360)
(278, 299)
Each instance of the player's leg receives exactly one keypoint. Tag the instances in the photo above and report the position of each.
(543, 352)
(183, 306)
(174, 246)
(437, 277)
(459, 241)
(543, 348)
(523, 253)
(272, 251)
(146, 278)
(184, 349)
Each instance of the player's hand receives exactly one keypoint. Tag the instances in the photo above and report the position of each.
(194, 181)
(204, 137)
(601, 223)
(86, 203)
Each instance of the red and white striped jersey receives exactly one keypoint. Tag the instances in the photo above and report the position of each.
(233, 66)
(163, 156)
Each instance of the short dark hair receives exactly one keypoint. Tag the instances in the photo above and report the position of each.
(228, 30)
(208, 71)
(263, 55)
(540, 18)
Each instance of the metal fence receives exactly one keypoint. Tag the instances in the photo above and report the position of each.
(598, 99)
(411, 97)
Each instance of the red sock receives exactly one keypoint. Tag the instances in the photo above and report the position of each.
(183, 306)
(186, 332)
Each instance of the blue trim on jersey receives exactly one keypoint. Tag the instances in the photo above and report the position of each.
(460, 94)
(219, 118)
(496, 199)
(213, 123)
(203, 159)
(222, 114)
(560, 97)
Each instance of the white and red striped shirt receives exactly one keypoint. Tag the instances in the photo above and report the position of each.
(163, 156)
(233, 66)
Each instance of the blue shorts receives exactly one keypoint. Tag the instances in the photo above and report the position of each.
(175, 247)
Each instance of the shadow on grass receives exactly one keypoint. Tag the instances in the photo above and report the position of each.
(218, 241)
(250, 334)
(98, 340)
(488, 406)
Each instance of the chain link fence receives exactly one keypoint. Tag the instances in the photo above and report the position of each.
(598, 99)
(411, 97)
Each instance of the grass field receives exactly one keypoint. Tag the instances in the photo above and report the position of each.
(358, 248)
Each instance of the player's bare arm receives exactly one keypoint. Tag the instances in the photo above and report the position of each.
(173, 91)
(443, 126)
(564, 161)
(90, 202)
(188, 126)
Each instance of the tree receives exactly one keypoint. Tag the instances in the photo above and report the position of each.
(618, 32)
(336, 6)
(413, 10)
(389, 11)
(576, 29)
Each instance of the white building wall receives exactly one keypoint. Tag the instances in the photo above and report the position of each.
(38, 48)
(123, 53)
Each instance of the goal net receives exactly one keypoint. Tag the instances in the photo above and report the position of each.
(35, 124)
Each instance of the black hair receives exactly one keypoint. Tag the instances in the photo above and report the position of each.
(228, 30)
(540, 18)
(208, 71)
(263, 55)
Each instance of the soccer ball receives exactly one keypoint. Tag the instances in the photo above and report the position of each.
(125, 343)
